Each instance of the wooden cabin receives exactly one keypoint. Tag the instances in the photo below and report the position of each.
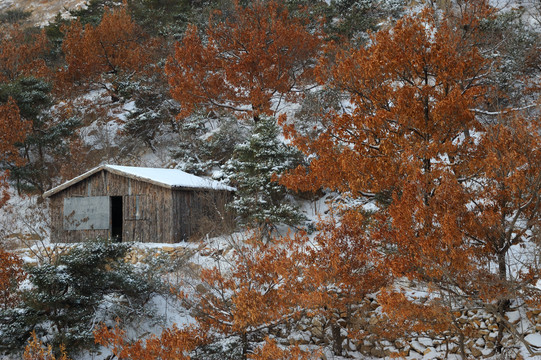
(137, 204)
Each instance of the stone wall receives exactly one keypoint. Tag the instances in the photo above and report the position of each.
(479, 343)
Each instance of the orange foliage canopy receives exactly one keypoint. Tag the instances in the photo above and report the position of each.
(35, 350)
(172, 344)
(11, 275)
(13, 130)
(116, 45)
(342, 267)
(259, 290)
(258, 53)
(271, 351)
(412, 90)
(20, 56)
(454, 193)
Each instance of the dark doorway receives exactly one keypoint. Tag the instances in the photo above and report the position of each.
(116, 218)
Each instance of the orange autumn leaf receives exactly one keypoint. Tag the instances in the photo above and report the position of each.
(242, 63)
(13, 130)
(116, 45)
(21, 55)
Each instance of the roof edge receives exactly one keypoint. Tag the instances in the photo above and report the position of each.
(112, 170)
(135, 177)
(76, 179)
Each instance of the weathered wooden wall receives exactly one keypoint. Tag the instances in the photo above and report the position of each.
(198, 213)
(147, 209)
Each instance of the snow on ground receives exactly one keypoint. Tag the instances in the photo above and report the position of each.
(24, 220)
(43, 11)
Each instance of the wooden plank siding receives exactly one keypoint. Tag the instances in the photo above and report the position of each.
(151, 213)
(200, 213)
(153, 223)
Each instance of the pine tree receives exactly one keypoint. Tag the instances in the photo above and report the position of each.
(68, 296)
(259, 200)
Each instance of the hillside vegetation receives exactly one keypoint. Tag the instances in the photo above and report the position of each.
(416, 123)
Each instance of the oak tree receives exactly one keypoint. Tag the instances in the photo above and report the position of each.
(13, 130)
(172, 344)
(11, 275)
(21, 55)
(101, 54)
(454, 192)
(246, 62)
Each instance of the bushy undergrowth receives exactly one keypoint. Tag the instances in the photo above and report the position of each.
(64, 300)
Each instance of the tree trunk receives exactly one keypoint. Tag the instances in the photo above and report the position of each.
(244, 340)
(337, 338)
(461, 345)
(503, 303)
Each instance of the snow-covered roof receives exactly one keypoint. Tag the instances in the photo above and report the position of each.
(168, 178)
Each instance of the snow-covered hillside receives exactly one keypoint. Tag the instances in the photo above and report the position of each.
(42, 10)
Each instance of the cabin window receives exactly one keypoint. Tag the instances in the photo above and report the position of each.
(86, 213)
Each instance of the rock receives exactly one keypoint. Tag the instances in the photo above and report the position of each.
(417, 346)
(196, 268)
(389, 353)
(377, 352)
(482, 325)
(534, 339)
(365, 349)
(476, 353)
(201, 289)
(492, 337)
(428, 350)
(358, 322)
(317, 331)
(373, 320)
(317, 322)
(425, 341)
(487, 353)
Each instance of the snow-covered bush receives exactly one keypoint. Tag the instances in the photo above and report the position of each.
(64, 300)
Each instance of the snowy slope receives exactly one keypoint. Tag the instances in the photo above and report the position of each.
(42, 10)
